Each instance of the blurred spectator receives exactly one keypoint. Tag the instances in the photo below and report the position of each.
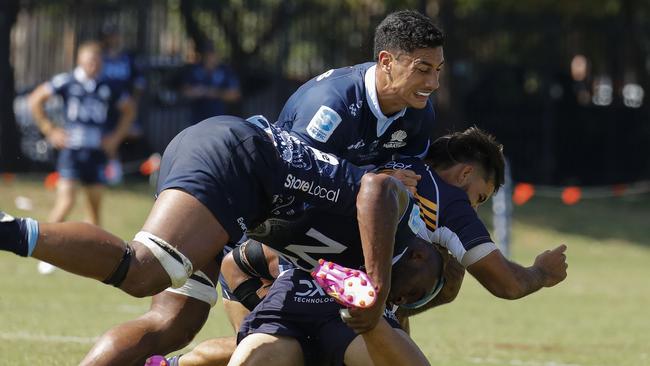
(122, 70)
(579, 74)
(86, 139)
(209, 85)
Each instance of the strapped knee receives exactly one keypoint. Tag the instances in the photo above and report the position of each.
(178, 267)
(199, 287)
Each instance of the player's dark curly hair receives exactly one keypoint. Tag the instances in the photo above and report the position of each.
(470, 146)
(406, 30)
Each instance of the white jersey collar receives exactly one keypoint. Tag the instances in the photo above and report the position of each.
(383, 122)
(81, 76)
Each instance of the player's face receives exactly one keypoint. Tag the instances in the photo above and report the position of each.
(412, 280)
(478, 189)
(90, 61)
(415, 75)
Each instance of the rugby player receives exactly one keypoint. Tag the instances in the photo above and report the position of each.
(390, 98)
(218, 178)
(464, 170)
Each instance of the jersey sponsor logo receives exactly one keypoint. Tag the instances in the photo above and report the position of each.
(311, 253)
(328, 158)
(325, 74)
(242, 224)
(357, 145)
(395, 165)
(396, 140)
(323, 124)
(311, 188)
(313, 293)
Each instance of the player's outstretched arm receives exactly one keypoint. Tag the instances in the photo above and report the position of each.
(380, 204)
(509, 280)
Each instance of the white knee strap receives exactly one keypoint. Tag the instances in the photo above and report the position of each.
(177, 266)
(198, 287)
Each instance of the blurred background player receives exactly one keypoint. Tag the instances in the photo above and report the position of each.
(210, 86)
(86, 138)
(121, 69)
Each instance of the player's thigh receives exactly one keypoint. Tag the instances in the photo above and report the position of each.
(357, 354)
(267, 350)
(236, 313)
(188, 227)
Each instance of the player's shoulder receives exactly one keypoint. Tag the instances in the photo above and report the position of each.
(339, 81)
(62, 79)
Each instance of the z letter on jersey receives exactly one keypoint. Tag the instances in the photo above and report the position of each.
(323, 124)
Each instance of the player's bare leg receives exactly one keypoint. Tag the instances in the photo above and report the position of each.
(170, 324)
(188, 228)
(236, 313)
(214, 352)
(66, 195)
(94, 194)
(267, 350)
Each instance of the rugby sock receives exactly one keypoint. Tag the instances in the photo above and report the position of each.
(174, 361)
(18, 235)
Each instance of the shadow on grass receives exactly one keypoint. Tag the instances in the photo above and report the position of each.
(626, 218)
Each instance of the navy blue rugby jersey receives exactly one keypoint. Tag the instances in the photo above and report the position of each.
(314, 233)
(448, 214)
(338, 112)
(87, 104)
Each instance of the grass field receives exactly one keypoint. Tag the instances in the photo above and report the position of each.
(598, 316)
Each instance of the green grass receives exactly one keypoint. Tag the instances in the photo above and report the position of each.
(598, 316)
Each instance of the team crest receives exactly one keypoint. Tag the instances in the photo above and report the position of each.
(323, 124)
(396, 140)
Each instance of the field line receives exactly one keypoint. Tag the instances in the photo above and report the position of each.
(494, 361)
(26, 336)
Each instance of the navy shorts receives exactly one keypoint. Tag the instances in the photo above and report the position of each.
(234, 168)
(297, 307)
(227, 164)
(86, 165)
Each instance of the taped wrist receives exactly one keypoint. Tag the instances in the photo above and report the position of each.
(250, 258)
(246, 292)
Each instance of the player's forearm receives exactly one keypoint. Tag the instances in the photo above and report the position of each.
(506, 279)
(127, 116)
(379, 205)
(43, 123)
(527, 281)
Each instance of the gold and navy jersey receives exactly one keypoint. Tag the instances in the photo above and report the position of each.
(447, 213)
(338, 112)
(89, 105)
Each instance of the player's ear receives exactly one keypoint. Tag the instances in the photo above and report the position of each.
(465, 174)
(384, 61)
